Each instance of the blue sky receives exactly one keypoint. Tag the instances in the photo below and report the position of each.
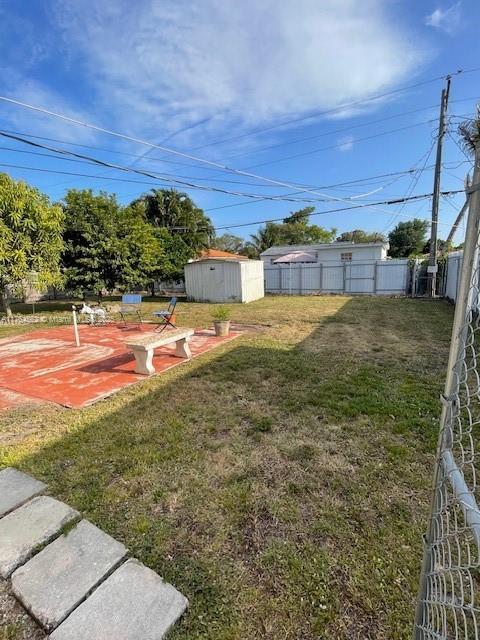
(244, 84)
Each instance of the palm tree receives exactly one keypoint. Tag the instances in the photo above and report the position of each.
(470, 133)
(265, 238)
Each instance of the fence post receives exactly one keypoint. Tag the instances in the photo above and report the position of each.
(321, 277)
(414, 278)
(375, 275)
(344, 277)
(448, 476)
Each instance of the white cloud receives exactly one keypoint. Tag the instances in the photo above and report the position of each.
(204, 66)
(346, 143)
(447, 20)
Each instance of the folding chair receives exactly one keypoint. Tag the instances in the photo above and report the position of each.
(130, 305)
(166, 315)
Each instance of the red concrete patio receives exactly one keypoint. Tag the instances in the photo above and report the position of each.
(46, 365)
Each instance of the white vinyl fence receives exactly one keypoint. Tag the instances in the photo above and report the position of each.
(452, 278)
(381, 277)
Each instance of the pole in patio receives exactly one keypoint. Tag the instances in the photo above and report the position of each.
(75, 326)
(432, 263)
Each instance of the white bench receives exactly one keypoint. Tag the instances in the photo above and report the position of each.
(144, 345)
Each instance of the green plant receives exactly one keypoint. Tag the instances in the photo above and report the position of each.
(222, 314)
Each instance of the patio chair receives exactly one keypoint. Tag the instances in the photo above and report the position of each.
(131, 305)
(166, 315)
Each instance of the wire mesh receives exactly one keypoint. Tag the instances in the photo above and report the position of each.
(448, 604)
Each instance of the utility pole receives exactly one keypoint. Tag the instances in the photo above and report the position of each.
(432, 263)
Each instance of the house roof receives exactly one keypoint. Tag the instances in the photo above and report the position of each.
(281, 250)
(220, 255)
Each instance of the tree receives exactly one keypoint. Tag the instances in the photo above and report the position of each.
(295, 229)
(441, 246)
(229, 242)
(93, 251)
(108, 246)
(407, 238)
(141, 250)
(176, 211)
(359, 236)
(470, 134)
(30, 237)
(302, 216)
(266, 237)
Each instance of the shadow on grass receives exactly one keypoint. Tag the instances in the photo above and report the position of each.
(243, 477)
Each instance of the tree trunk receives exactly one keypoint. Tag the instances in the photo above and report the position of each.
(6, 303)
(153, 289)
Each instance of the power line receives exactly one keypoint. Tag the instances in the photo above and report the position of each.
(257, 150)
(384, 175)
(245, 224)
(143, 182)
(104, 163)
(162, 177)
(173, 176)
(342, 130)
(339, 145)
(340, 209)
(415, 180)
(253, 184)
(190, 156)
(339, 108)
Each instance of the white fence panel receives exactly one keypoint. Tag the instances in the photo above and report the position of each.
(333, 278)
(311, 278)
(360, 278)
(454, 267)
(393, 277)
(389, 277)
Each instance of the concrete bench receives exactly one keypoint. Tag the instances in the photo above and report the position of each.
(144, 345)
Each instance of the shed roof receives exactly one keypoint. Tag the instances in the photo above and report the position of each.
(218, 254)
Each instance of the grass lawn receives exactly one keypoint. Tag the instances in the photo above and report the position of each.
(281, 481)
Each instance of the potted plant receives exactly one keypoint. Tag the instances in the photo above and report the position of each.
(221, 321)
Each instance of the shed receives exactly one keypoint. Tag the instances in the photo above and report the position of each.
(216, 280)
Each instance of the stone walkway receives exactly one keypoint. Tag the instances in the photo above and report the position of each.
(74, 579)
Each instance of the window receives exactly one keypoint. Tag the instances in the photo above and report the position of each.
(346, 257)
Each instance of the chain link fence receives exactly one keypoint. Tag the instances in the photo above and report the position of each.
(448, 604)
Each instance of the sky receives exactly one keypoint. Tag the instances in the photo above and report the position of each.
(277, 103)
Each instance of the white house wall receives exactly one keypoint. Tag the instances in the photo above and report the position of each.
(332, 253)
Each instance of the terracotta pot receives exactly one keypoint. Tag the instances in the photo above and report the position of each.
(222, 327)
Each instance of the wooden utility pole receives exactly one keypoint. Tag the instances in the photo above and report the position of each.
(432, 263)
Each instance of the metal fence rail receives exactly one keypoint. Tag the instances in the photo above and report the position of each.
(448, 604)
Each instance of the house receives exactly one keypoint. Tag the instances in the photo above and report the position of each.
(332, 252)
(338, 267)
